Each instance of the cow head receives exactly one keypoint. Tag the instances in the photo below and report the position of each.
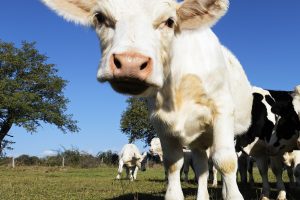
(136, 35)
(141, 161)
(286, 129)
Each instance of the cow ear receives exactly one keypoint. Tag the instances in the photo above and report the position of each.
(297, 90)
(77, 11)
(199, 13)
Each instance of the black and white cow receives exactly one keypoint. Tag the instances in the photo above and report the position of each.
(287, 128)
(254, 142)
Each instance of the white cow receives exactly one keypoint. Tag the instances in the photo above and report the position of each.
(198, 93)
(155, 149)
(292, 159)
(132, 160)
(296, 103)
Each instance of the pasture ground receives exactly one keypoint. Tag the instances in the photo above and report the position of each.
(47, 183)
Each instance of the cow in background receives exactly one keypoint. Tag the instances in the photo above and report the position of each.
(287, 127)
(292, 160)
(155, 149)
(132, 160)
(255, 142)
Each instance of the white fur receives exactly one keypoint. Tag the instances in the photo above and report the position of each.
(296, 100)
(292, 159)
(130, 158)
(193, 51)
(155, 148)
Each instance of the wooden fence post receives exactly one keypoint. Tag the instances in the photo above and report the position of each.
(63, 162)
(13, 162)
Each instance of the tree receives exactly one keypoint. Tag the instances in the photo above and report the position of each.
(135, 121)
(31, 92)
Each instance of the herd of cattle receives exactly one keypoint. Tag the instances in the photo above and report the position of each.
(273, 139)
(197, 91)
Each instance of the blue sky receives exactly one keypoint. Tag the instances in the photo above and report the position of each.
(264, 35)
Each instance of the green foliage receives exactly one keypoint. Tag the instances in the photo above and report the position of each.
(73, 158)
(31, 92)
(135, 121)
(108, 158)
(26, 160)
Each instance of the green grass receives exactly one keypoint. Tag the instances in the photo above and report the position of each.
(39, 183)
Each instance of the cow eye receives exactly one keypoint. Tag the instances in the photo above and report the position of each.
(101, 19)
(170, 22)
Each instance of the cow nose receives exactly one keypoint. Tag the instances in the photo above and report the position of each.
(131, 65)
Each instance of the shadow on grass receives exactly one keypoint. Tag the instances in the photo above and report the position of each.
(249, 192)
(139, 196)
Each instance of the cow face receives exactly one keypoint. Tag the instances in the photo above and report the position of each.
(142, 162)
(136, 35)
(286, 130)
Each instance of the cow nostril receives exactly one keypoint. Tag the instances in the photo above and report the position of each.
(144, 65)
(117, 63)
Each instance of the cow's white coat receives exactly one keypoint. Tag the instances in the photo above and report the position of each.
(199, 95)
(131, 159)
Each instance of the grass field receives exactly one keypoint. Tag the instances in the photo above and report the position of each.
(41, 183)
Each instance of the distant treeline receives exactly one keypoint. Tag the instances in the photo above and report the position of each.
(68, 158)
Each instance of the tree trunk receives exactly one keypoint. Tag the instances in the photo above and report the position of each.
(4, 129)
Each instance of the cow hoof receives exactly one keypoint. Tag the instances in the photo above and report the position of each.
(235, 198)
(281, 196)
(214, 185)
(118, 177)
(174, 197)
(264, 198)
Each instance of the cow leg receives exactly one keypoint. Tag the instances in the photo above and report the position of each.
(136, 169)
(224, 156)
(130, 173)
(296, 172)
(173, 161)
(262, 165)
(200, 163)
(120, 169)
(242, 167)
(186, 168)
(277, 168)
(215, 177)
(127, 173)
(290, 173)
(213, 172)
(250, 170)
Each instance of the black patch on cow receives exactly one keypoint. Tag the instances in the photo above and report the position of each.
(281, 95)
(261, 126)
(289, 120)
(270, 100)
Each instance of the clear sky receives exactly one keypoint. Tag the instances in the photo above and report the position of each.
(263, 34)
